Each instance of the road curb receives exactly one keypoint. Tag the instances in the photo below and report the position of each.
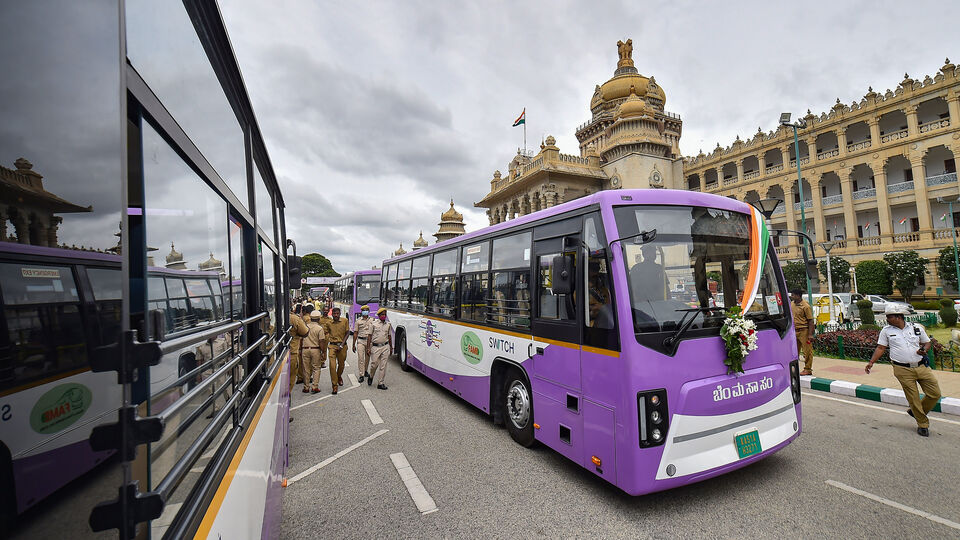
(946, 405)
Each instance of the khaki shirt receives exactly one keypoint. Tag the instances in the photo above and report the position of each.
(298, 329)
(802, 315)
(337, 331)
(315, 335)
(364, 327)
(381, 332)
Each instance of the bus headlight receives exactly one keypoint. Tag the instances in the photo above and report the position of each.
(656, 435)
(653, 416)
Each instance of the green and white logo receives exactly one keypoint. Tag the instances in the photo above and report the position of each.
(60, 407)
(471, 347)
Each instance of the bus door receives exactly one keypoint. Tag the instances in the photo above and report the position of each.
(555, 351)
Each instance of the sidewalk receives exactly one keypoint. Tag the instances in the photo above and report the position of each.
(847, 377)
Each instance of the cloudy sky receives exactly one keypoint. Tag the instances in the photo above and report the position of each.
(376, 113)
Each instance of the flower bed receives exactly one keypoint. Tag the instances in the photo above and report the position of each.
(860, 344)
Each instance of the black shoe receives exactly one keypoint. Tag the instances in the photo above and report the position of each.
(923, 432)
(382, 386)
(366, 374)
(369, 381)
(910, 412)
(360, 380)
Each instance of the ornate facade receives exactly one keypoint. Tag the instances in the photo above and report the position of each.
(451, 225)
(630, 141)
(29, 208)
(872, 171)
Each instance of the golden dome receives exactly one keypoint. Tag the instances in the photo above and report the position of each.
(625, 77)
(451, 214)
(633, 106)
(400, 251)
(419, 242)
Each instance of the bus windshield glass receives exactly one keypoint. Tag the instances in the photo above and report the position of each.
(368, 289)
(682, 258)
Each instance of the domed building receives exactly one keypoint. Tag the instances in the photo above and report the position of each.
(419, 242)
(212, 265)
(451, 224)
(399, 251)
(630, 141)
(175, 259)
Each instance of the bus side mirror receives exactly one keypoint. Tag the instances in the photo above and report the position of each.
(294, 271)
(811, 265)
(562, 275)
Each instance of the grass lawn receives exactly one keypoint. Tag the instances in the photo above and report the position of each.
(940, 334)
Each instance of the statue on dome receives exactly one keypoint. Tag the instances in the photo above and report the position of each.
(626, 53)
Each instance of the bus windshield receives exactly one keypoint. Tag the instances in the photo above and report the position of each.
(682, 258)
(368, 289)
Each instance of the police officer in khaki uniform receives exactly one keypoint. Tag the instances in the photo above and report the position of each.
(803, 325)
(908, 344)
(313, 344)
(381, 343)
(362, 329)
(337, 331)
(324, 320)
(298, 330)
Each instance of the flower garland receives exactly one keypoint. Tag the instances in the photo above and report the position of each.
(740, 337)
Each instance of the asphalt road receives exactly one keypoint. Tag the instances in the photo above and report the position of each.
(485, 485)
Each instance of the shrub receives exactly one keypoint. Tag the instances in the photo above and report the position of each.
(839, 272)
(865, 307)
(795, 274)
(869, 327)
(906, 269)
(926, 304)
(947, 266)
(857, 343)
(948, 314)
(873, 277)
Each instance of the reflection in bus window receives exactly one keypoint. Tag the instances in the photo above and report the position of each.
(107, 293)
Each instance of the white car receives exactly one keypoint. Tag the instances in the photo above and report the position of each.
(880, 303)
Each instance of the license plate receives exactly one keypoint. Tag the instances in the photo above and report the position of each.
(747, 443)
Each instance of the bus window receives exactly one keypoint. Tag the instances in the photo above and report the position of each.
(368, 289)
(107, 293)
(217, 298)
(552, 306)
(443, 284)
(475, 260)
(510, 304)
(178, 314)
(418, 294)
(201, 300)
(45, 331)
(403, 285)
(599, 321)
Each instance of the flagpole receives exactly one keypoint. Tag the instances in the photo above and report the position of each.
(524, 131)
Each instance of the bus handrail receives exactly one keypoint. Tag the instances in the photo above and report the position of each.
(192, 339)
(182, 426)
(193, 373)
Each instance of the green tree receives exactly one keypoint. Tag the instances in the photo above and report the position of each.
(906, 268)
(316, 265)
(795, 273)
(873, 277)
(839, 272)
(947, 267)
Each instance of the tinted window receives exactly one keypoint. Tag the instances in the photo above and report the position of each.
(392, 272)
(421, 267)
(418, 294)
(512, 251)
(510, 303)
(264, 204)
(444, 296)
(552, 306)
(29, 283)
(476, 257)
(403, 270)
(368, 289)
(107, 283)
(445, 263)
(473, 299)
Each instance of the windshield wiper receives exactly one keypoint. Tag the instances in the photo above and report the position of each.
(645, 236)
(685, 323)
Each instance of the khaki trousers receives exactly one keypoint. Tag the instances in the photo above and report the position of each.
(909, 378)
(378, 361)
(804, 349)
(295, 368)
(337, 357)
(313, 362)
(363, 356)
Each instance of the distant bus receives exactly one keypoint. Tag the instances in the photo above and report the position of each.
(356, 289)
(572, 326)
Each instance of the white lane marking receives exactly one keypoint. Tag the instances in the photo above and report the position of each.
(328, 396)
(895, 411)
(353, 379)
(418, 493)
(371, 412)
(334, 457)
(895, 504)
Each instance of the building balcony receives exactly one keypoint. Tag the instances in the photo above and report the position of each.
(946, 234)
(935, 125)
(941, 179)
(803, 161)
(895, 136)
(906, 238)
(827, 154)
(869, 241)
(781, 209)
(751, 175)
(832, 199)
(900, 187)
(775, 168)
(806, 204)
(864, 194)
(697, 189)
(730, 180)
(862, 145)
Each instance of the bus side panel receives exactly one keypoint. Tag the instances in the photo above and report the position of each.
(39, 475)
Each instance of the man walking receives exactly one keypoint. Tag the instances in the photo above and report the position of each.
(313, 344)
(908, 344)
(803, 325)
(337, 330)
(381, 343)
(363, 327)
(298, 330)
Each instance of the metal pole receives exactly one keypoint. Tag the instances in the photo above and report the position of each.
(803, 214)
(953, 233)
(830, 285)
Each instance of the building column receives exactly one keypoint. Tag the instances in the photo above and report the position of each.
(912, 123)
(921, 197)
(761, 160)
(785, 156)
(719, 175)
(490, 217)
(740, 170)
(849, 214)
(819, 222)
(953, 105)
(811, 151)
(883, 205)
(874, 124)
(19, 223)
(842, 140)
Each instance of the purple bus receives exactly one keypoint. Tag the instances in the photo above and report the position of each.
(594, 327)
(356, 289)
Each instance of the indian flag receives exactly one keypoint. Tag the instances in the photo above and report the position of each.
(522, 119)
(759, 242)
(943, 217)
(866, 227)
(902, 221)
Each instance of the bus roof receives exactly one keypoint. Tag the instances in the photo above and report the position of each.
(609, 197)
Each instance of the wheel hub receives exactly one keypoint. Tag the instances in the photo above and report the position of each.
(518, 404)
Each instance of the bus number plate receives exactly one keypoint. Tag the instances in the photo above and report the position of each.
(747, 443)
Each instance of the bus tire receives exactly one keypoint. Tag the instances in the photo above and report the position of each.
(518, 408)
(402, 351)
(8, 499)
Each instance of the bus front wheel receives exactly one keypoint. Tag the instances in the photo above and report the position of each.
(518, 408)
(402, 351)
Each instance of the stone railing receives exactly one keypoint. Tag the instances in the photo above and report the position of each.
(731, 180)
(870, 241)
(535, 164)
(864, 194)
(782, 250)
(711, 186)
(940, 179)
(900, 187)
(936, 124)
(832, 199)
(896, 135)
(781, 209)
(828, 154)
(803, 161)
(774, 168)
(946, 234)
(906, 238)
(853, 147)
(751, 175)
(574, 159)
(806, 204)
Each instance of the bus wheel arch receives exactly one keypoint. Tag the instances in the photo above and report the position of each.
(400, 348)
(502, 373)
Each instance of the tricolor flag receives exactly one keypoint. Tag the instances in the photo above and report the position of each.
(866, 227)
(943, 217)
(522, 119)
(902, 221)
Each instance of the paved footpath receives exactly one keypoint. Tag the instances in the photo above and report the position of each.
(848, 378)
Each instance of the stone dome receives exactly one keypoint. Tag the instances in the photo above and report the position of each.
(633, 106)
(400, 251)
(174, 256)
(419, 242)
(451, 214)
(211, 264)
(624, 78)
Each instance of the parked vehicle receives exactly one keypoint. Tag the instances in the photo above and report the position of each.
(843, 310)
(880, 303)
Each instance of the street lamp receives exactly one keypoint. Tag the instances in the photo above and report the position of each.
(953, 233)
(799, 124)
(766, 207)
(827, 246)
(853, 278)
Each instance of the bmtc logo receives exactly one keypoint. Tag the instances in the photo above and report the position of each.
(430, 334)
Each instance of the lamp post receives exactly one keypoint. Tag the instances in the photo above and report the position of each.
(853, 279)
(827, 246)
(953, 233)
(799, 124)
